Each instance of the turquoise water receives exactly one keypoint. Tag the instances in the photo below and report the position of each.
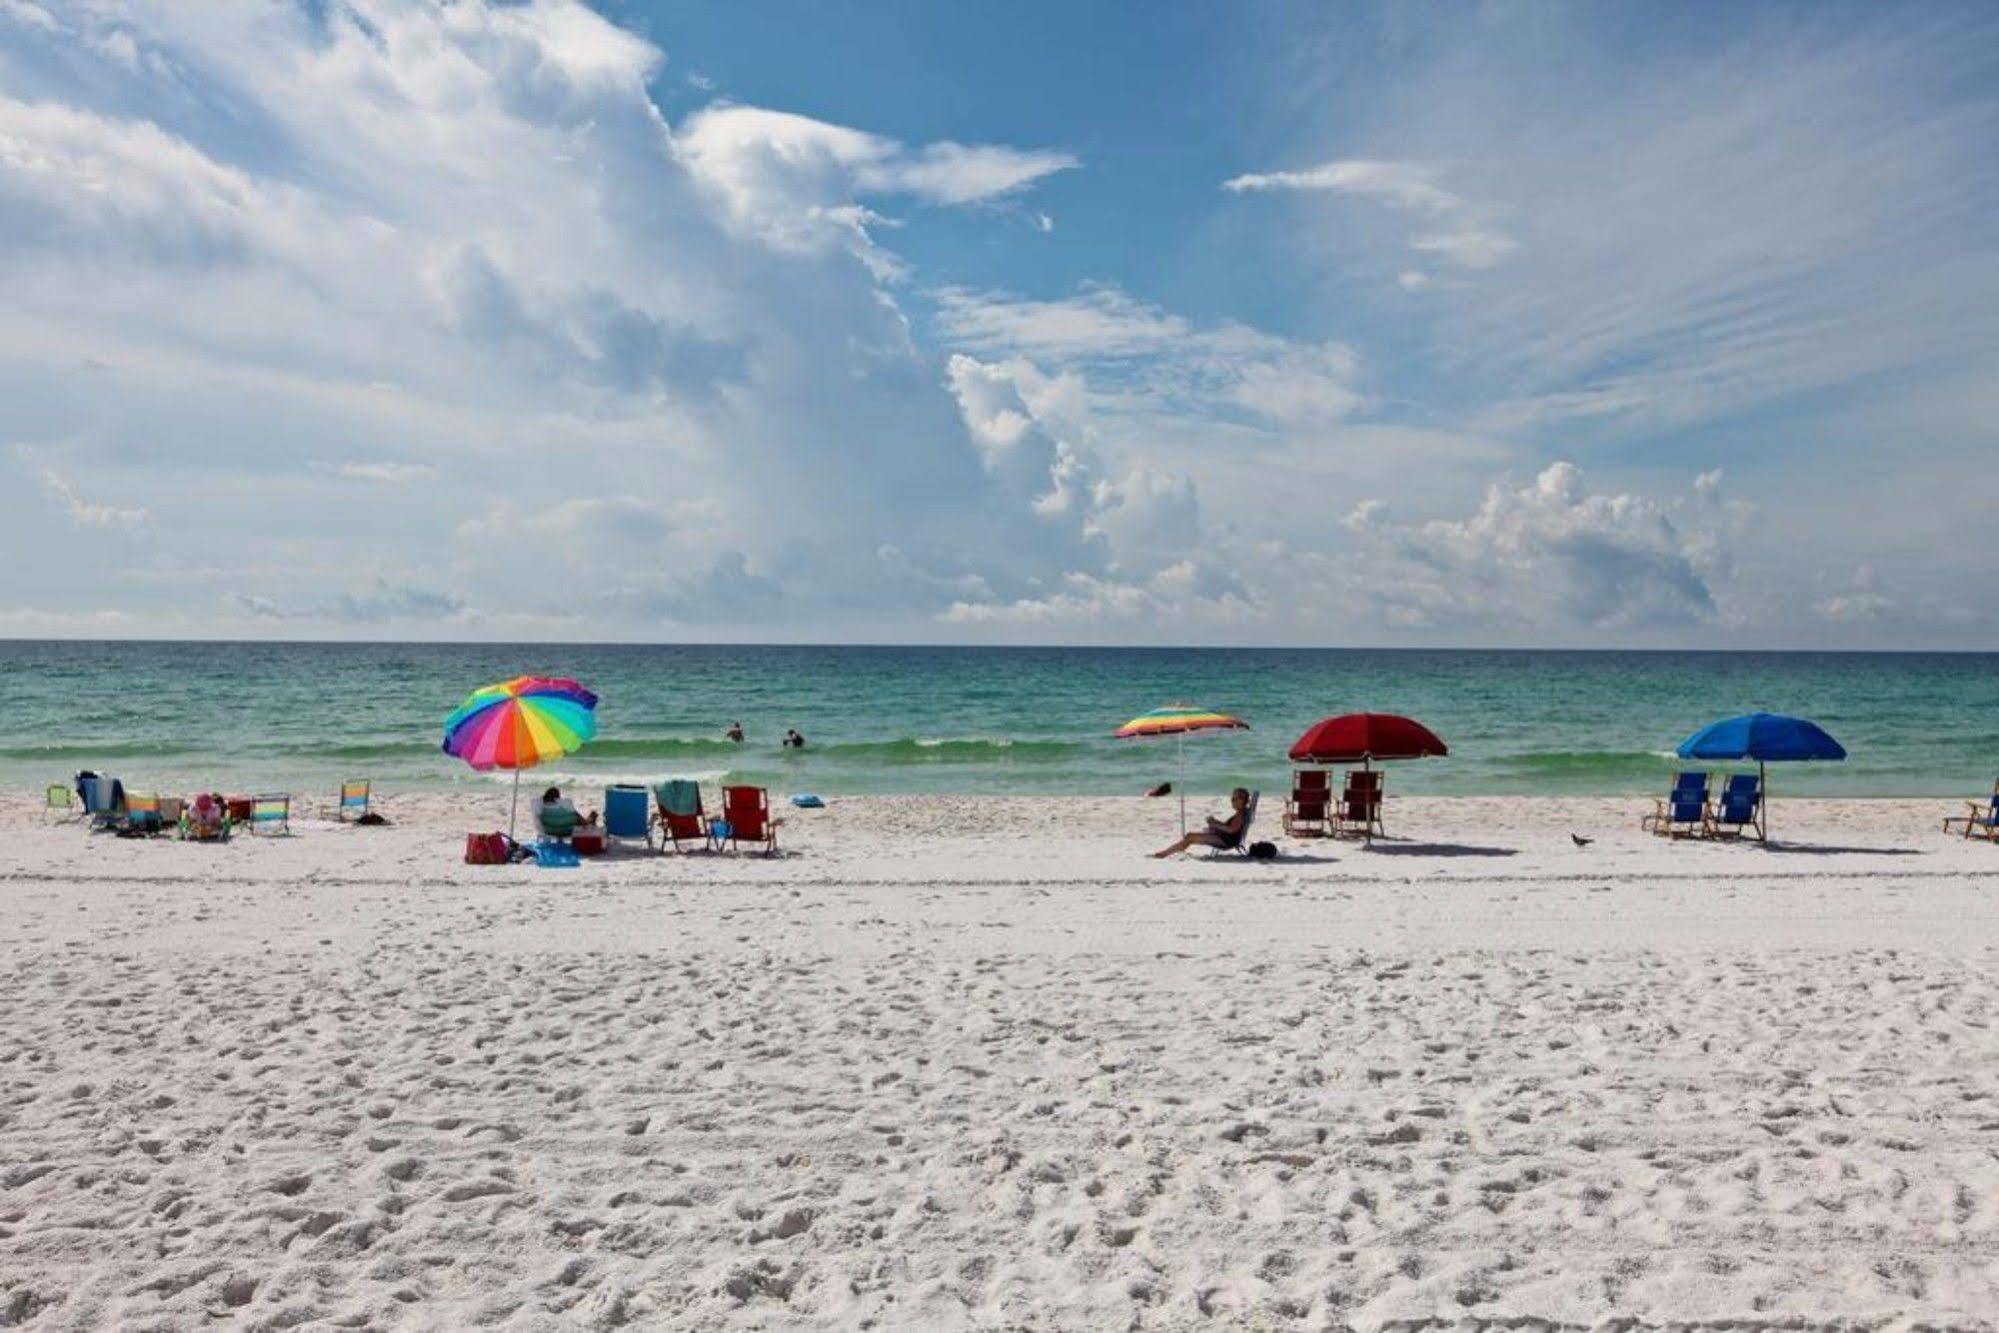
(303, 716)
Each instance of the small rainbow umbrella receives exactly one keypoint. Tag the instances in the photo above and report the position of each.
(1177, 720)
(519, 723)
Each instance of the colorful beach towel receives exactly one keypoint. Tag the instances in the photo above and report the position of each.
(679, 796)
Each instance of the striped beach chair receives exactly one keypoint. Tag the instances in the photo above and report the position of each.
(142, 812)
(60, 802)
(353, 800)
(271, 814)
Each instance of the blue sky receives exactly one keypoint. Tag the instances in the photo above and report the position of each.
(1481, 324)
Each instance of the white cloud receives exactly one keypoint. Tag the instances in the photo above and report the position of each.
(1552, 554)
(388, 473)
(484, 241)
(1406, 184)
(85, 512)
(1473, 247)
(1144, 358)
(1861, 600)
(798, 183)
(1469, 240)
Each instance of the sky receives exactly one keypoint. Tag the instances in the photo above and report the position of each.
(1460, 324)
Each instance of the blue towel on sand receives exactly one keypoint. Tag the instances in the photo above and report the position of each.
(556, 855)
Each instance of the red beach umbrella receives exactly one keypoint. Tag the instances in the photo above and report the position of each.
(1361, 738)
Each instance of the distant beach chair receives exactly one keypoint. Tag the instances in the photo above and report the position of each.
(626, 814)
(1682, 812)
(142, 812)
(558, 823)
(1981, 819)
(1239, 844)
(1738, 811)
(103, 799)
(353, 800)
(1359, 810)
(746, 812)
(171, 809)
(678, 813)
(60, 801)
(271, 814)
(206, 819)
(1308, 813)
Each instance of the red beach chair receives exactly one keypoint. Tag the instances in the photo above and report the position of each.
(691, 826)
(1360, 804)
(746, 810)
(1307, 813)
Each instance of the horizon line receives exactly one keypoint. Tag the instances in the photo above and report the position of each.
(1003, 647)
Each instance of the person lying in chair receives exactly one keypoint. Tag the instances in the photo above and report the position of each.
(1223, 834)
(558, 818)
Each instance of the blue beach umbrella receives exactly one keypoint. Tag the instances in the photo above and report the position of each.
(1768, 738)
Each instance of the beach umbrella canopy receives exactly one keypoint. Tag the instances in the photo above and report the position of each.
(1361, 738)
(1764, 737)
(1178, 721)
(520, 723)
(1768, 738)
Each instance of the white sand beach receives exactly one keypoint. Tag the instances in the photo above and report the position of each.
(977, 1063)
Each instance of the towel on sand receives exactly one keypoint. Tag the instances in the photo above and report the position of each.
(679, 796)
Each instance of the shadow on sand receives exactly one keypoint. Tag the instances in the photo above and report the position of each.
(1818, 849)
(1386, 847)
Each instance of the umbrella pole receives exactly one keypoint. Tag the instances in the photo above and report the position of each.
(1762, 803)
(514, 808)
(1180, 773)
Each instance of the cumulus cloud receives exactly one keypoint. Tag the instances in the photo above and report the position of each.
(483, 240)
(1552, 553)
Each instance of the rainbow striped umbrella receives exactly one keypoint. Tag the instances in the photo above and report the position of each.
(519, 723)
(1177, 720)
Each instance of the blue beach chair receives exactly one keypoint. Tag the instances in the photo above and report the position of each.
(1739, 811)
(1980, 819)
(627, 814)
(103, 799)
(1683, 812)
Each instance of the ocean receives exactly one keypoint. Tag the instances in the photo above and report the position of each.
(303, 716)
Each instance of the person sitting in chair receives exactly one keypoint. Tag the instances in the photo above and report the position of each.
(1222, 834)
(558, 818)
(206, 817)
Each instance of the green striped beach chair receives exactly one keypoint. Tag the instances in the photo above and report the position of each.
(271, 814)
(60, 802)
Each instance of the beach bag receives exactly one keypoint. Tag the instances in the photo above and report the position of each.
(1263, 851)
(486, 849)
